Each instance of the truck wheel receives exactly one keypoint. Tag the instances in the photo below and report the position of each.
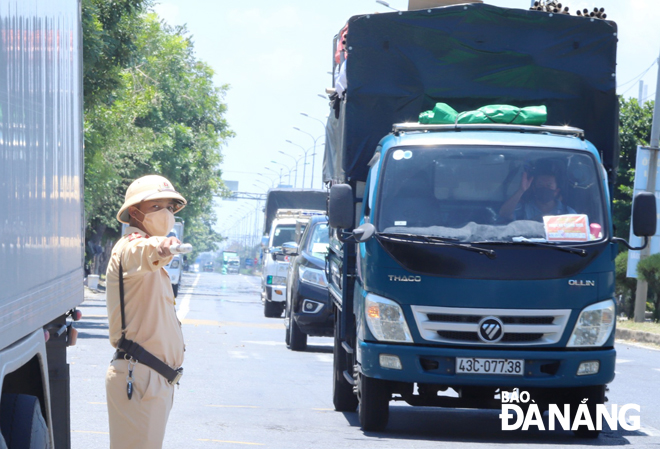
(297, 338)
(374, 403)
(272, 309)
(343, 397)
(23, 426)
(175, 289)
(595, 395)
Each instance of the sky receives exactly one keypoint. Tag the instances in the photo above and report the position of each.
(275, 56)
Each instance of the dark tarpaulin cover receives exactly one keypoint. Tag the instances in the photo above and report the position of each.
(467, 56)
(292, 199)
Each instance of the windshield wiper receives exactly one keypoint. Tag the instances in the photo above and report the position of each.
(432, 240)
(568, 249)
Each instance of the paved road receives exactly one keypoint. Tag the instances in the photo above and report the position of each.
(242, 387)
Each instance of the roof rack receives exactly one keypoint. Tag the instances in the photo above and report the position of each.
(298, 213)
(564, 130)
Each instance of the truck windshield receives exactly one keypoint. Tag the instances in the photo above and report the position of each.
(284, 234)
(494, 194)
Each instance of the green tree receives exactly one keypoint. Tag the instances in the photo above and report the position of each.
(150, 107)
(649, 270)
(625, 286)
(634, 129)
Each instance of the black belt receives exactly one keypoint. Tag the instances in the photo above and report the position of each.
(144, 357)
(136, 352)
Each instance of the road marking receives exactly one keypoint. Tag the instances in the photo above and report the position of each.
(266, 343)
(324, 358)
(184, 308)
(92, 431)
(232, 406)
(237, 355)
(623, 361)
(230, 324)
(231, 442)
(657, 369)
(323, 409)
(98, 403)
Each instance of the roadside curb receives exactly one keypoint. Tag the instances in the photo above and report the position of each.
(638, 336)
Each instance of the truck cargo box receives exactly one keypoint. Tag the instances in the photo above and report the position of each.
(292, 199)
(468, 56)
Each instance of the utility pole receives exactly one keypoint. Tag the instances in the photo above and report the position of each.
(642, 286)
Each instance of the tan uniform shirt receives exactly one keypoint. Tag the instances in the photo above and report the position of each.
(151, 319)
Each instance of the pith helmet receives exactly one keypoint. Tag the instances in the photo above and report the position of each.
(150, 187)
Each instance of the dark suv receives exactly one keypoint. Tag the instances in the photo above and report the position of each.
(308, 310)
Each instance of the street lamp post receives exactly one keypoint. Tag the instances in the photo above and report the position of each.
(305, 156)
(313, 158)
(276, 174)
(296, 162)
(288, 169)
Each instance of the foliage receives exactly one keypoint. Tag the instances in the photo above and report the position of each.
(634, 129)
(625, 286)
(649, 270)
(150, 108)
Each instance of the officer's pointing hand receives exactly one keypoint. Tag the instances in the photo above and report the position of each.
(164, 246)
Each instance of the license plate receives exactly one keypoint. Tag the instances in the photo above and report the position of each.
(511, 367)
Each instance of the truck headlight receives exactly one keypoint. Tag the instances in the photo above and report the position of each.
(385, 319)
(312, 276)
(594, 325)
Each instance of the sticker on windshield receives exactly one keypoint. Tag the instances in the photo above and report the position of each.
(397, 155)
(400, 223)
(566, 228)
(407, 154)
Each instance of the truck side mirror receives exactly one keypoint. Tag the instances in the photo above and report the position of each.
(276, 253)
(341, 211)
(264, 241)
(290, 249)
(644, 218)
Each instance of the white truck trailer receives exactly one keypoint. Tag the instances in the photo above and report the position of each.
(41, 216)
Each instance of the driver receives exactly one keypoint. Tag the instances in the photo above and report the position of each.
(542, 199)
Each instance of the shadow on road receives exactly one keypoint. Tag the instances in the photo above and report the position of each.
(322, 349)
(479, 426)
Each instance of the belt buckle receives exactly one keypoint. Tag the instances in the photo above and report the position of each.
(179, 375)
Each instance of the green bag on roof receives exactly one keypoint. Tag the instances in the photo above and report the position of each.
(443, 114)
(505, 114)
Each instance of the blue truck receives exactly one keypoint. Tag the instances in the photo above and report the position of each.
(473, 258)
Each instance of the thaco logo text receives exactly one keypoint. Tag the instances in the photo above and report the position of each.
(514, 417)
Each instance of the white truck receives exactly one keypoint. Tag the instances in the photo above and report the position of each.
(41, 217)
(175, 267)
(287, 212)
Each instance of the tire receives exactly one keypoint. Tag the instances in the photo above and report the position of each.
(343, 397)
(23, 426)
(595, 396)
(175, 289)
(273, 309)
(297, 338)
(374, 403)
(287, 339)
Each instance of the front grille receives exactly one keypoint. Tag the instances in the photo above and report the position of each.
(461, 325)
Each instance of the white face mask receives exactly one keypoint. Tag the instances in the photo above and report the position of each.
(158, 223)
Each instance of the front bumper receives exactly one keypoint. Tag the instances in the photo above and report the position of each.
(319, 322)
(434, 365)
(276, 293)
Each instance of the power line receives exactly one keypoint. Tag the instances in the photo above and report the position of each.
(638, 77)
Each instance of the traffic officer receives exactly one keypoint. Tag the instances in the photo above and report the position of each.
(142, 319)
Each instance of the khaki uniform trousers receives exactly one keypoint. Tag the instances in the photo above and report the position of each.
(138, 423)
